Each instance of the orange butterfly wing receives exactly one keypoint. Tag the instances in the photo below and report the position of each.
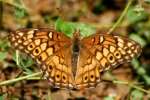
(100, 52)
(50, 49)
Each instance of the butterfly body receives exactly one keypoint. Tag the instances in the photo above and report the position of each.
(75, 52)
(74, 62)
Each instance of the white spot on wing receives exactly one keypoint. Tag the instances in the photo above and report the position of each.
(20, 33)
(105, 52)
(98, 55)
(43, 46)
(129, 44)
(112, 49)
(50, 35)
(37, 42)
(30, 32)
(101, 39)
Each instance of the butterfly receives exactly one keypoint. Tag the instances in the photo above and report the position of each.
(76, 62)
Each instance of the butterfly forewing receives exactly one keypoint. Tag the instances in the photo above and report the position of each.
(101, 52)
(50, 49)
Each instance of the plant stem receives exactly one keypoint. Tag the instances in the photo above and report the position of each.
(132, 85)
(121, 17)
(17, 58)
(19, 79)
(1, 15)
(19, 6)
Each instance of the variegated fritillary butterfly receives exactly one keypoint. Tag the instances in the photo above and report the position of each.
(74, 63)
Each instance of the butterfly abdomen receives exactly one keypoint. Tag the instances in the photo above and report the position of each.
(75, 55)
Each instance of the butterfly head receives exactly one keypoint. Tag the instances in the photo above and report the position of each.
(76, 35)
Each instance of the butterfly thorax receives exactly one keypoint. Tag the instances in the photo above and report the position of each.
(75, 51)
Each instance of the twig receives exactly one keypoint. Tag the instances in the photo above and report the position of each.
(131, 85)
(17, 58)
(11, 2)
(19, 79)
(121, 17)
(1, 14)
